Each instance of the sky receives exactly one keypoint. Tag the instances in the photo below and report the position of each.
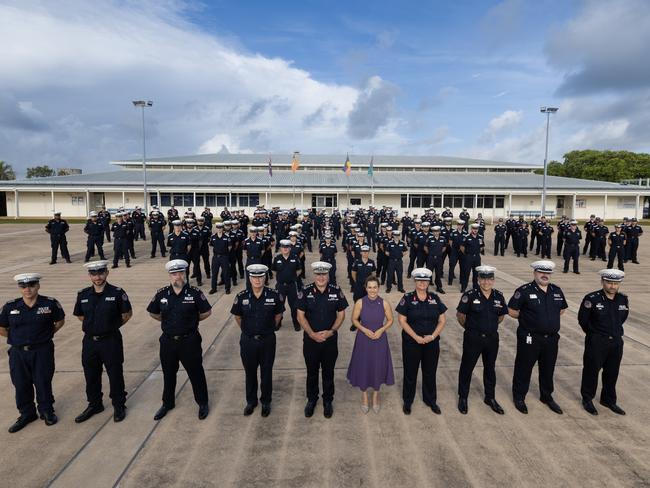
(463, 78)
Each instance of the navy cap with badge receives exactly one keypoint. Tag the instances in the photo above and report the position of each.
(257, 270)
(543, 266)
(320, 267)
(422, 274)
(25, 280)
(614, 275)
(176, 265)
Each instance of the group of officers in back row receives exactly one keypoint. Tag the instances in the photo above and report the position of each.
(318, 309)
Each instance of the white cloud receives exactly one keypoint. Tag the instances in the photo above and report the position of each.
(503, 123)
(73, 67)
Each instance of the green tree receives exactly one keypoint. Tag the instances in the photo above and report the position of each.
(612, 166)
(6, 172)
(40, 172)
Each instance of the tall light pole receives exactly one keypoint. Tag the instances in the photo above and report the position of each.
(143, 104)
(548, 111)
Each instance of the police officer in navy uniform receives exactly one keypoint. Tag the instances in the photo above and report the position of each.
(57, 228)
(601, 316)
(328, 252)
(120, 241)
(421, 315)
(29, 323)
(157, 228)
(456, 237)
(258, 313)
(95, 231)
(479, 312)
(633, 231)
(288, 268)
(172, 214)
(500, 231)
(104, 217)
(538, 306)
(179, 308)
(616, 241)
(139, 218)
(395, 249)
(179, 243)
(435, 247)
(321, 311)
(571, 239)
(254, 246)
(102, 308)
(470, 248)
(222, 246)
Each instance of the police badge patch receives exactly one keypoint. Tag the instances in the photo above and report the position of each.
(587, 304)
(402, 302)
(517, 295)
(464, 299)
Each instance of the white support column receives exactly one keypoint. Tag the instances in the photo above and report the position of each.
(408, 203)
(605, 208)
(158, 198)
(302, 199)
(87, 202)
(229, 199)
(193, 200)
(509, 203)
(636, 207)
(266, 199)
(573, 207)
(123, 200)
(52, 200)
(17, 203)
(475, 203)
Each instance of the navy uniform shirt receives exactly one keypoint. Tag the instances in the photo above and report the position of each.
(633, 231)
(321, 308)
(617, 240)
(482, 314)
(254, 248)
(33, 325)
(57, 227)
(395, 250)
(119, 230)
(539, 311)
(328, 252)
(178, 244)
(572, 238)
(472, 244)
(297, 249)
(258, 314)
(456, 237)
(363, 270)
(500, 230)
(286, 269)
(102, 312)
(157, 224)
(204, 233)
(598, 314)
(221, 245)
(94, 229)
(436, 245)
(421, 315)
(179, 313)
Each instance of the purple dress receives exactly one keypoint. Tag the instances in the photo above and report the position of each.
(371, 364)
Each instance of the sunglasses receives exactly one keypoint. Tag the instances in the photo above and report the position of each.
(31, 284)
(96, 272)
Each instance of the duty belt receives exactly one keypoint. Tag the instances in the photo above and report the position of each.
(179, 337)
(31, 347)
(98, 338)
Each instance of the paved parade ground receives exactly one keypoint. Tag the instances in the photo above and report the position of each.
(350, 449)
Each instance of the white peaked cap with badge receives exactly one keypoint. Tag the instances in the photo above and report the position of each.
(475, 226)
(543, 266)
(96, 265)
(27, 277)
(257, 270)
(320, 267)
(365, 248)
(285, 243)
(176, 265)
(615, 275)
(485, 271)
(460, 222)
(422, 274)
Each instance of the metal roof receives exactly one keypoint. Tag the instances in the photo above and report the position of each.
(323, 180)
(357, 160)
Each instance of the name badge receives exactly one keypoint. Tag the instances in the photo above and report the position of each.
(477, 301)
(42, 310)
(600, 306)
(163, 300)
(245, 301)
(532, 296)
(14, 312)
(270, 300)
(110, 299)
(622, 307)
(84, 300)
(333, 295)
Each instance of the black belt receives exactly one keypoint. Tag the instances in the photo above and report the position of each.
(31, 347)
(610, 337)
(483, 334)
(257, 337)
(222, 254)
(101, 337)
(179, 337)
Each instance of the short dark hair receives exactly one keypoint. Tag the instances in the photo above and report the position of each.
(371, 278)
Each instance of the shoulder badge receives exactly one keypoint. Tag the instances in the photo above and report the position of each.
(517, 295)
(464, 299)
(587, 304)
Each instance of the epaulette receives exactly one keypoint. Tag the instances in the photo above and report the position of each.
(525, 285)
(242, 293)
(409, 294)
(161, 289)
(84, 289)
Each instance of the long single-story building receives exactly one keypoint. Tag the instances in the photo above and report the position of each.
(410, 183)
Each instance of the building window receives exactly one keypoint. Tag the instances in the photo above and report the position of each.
(246, 199)
(404, 202)
(177, 199)
(165, 199)
(458, 202)
(153, 199)
(200, 199)
(499, 201)
(626, 202)
(222, 200)
(448, 201)
(581, 203)
(468, 201)
(324, 201)
(355, 201)
(437, 201)
(77, 201)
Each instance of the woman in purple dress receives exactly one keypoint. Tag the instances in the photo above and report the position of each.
(371, 364)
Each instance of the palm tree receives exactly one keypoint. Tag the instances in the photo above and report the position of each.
(6, 171)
